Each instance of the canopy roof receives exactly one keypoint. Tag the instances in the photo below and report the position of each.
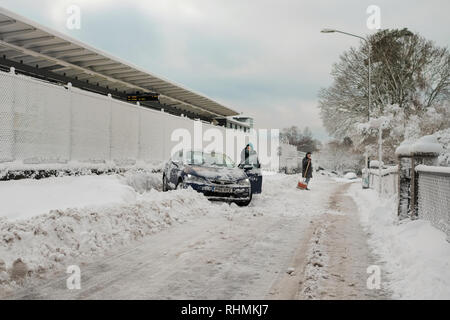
(29, 44)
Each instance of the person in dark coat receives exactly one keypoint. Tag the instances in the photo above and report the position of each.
(307, 168)
(249, 155)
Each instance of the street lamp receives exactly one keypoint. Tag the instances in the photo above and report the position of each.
(327, 30)
(379, 123)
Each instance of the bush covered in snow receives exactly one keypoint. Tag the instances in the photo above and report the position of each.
(339, 156)
(443, 137)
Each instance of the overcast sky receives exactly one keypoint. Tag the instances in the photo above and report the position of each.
(265, 58)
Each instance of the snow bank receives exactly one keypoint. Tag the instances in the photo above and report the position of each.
(142, 181)
(55, 239)
(26, 198)
(415, 257)
(350, 175)
(19, 169)
(61, 237)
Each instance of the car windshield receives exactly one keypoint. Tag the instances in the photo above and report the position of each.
(208, 159)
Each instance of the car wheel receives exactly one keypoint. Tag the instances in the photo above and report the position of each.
(180, 185)
(245, 203)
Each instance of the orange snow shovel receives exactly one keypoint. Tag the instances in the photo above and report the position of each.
(301, 184)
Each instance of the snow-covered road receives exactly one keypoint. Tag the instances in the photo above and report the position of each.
(268, 250)
(288, 244)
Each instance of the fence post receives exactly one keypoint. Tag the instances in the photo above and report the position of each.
(139, 154)
(71, 130)
(423, 151)
(12, 71)
(110, 125)
(414, 186)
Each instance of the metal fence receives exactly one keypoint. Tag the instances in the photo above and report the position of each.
(422, 191)
(44, 123)
(434, 196)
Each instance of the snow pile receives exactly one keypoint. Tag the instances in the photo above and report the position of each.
(375, 164)
(385, 171)
(403, 149)
(142, 181)
(438, 143)
(53, 240)
(70, 220)
(415, 257)
(39, 169)
(23, 199)
(426, 144)
(443, 138)
(350, 175)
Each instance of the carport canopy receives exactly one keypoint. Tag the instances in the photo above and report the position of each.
(29, 44)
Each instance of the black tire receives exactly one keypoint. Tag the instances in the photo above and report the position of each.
(180, 185)
(245, 203)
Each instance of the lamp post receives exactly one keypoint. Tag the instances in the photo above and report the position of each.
(369, 64)
(326, 30)
(379, 123)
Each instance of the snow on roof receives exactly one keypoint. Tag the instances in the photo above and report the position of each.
(426, 144)
(403, 149)
(375, 164)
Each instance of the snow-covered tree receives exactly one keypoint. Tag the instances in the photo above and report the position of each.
(303, 140)
(410, 87)
(339, 156)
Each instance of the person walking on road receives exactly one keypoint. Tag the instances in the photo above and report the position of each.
(307, 169)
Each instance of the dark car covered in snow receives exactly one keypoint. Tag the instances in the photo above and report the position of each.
(213, 174)
(252, 168)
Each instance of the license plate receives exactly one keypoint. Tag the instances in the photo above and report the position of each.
(222, 190)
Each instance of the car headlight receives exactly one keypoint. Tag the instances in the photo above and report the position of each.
(194, 179)
(244, 182)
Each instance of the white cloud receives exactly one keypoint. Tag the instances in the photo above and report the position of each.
(258, 44)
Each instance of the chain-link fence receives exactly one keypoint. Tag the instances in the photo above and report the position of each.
(434, 197)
